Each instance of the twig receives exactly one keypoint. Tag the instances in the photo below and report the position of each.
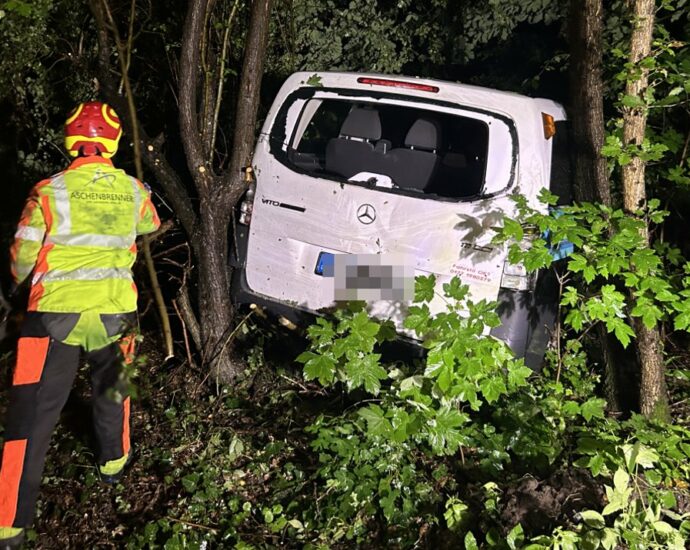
(221, 79)
(227, 340)
(157, 293)
(184, 333)
(295, 382)
(192, 323)
(190, 524)
(234, 331)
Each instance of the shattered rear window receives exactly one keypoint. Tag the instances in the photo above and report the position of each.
(395, 145)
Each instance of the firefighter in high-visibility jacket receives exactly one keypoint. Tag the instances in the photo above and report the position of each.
(76, 242)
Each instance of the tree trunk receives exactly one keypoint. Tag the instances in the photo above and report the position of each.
(215, 305)
(587, 101)
(248, 100)
(586, 115)
(218, 194)
(653, 396)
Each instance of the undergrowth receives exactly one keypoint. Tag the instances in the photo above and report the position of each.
(461, 448)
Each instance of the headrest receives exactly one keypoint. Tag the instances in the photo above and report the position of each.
(362, 123)
(423, 134)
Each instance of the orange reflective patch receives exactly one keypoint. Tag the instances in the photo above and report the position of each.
(47, 212)
(10, 475)
(31, 357)
(41, 267)
(125, 426)
(35, 297)
(127, 344)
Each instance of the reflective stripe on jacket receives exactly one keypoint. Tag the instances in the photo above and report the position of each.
(77, 236)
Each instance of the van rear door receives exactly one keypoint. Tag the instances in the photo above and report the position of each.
(345, 171)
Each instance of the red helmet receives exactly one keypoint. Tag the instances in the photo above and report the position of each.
(92, 128)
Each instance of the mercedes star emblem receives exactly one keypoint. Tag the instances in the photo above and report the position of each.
(366, 214)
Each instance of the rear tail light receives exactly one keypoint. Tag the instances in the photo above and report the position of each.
(247, 205)
(516, 276)
(549, 125)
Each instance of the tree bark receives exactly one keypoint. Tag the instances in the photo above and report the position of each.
(219, 194)
(190, 61)
(586, 115)
(653, 395)
(248, 100)
(587, 101)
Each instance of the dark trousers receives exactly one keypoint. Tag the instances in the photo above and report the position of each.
(43, 376)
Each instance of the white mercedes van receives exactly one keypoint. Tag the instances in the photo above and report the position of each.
(413, 169)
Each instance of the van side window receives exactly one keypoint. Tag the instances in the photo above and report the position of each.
(391, 145)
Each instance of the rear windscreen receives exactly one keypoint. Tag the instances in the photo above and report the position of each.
(392, 145)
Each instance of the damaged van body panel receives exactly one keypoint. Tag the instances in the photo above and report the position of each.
(412, 169)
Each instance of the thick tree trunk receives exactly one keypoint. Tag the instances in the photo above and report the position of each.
(215, 305)
(586, 114)
(218, 194)
(587, 101)
(653, 396)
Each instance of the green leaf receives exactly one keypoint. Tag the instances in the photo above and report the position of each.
(470, 542)
(621, 479)
(596, 464)
(639, 454)
(609, 540)
(455, 289)
(321, 367)
(518, 375)
(516, 537)
(513, 229)
(663, 528)
(424, 288)
(593, 408)
(418, 319)
(623, 332)
(593, 519)
(492, 388)
(632, 101)
(377, 423)
(442, 430)
(314, 80)
(365, 371)
(411, 382)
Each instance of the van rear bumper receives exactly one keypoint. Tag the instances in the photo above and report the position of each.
(527, 317)
(242, 294)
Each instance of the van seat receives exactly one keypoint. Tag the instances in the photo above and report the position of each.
(413, 166)
(353, 150)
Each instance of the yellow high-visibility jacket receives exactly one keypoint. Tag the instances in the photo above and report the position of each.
(76, 237)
